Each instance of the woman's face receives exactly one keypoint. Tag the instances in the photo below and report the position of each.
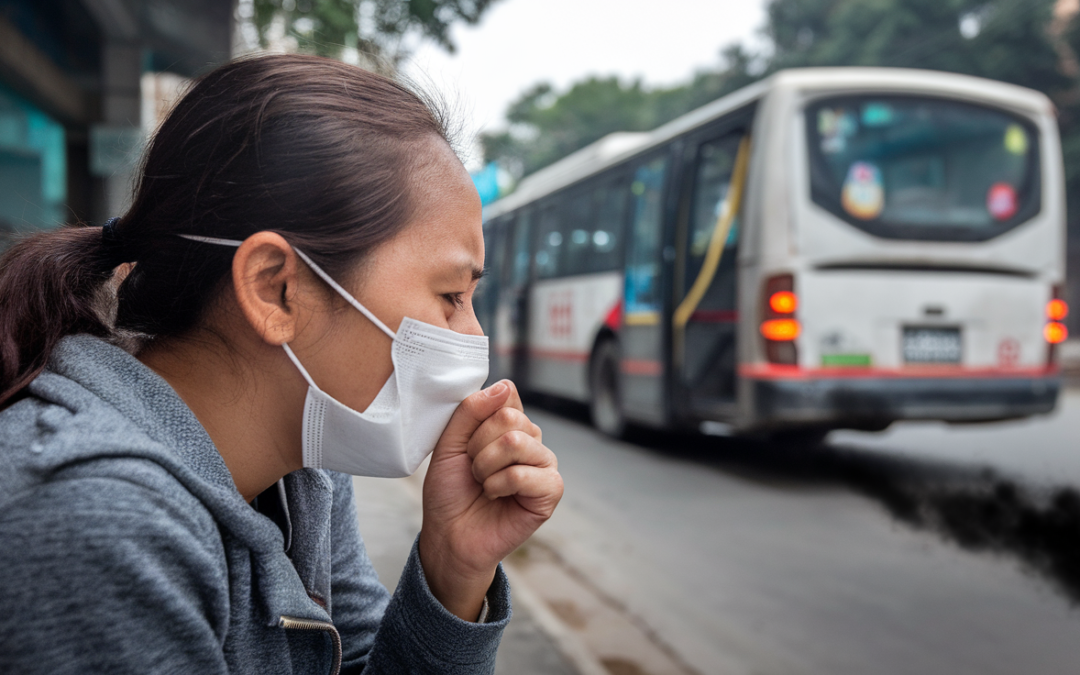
(427, 272)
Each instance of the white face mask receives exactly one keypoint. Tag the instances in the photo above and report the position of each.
(435, 369)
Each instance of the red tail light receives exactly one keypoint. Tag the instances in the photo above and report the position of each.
(1055, 333)
(783, 302)
(1056, 310)
(779, 326)
(781, 330)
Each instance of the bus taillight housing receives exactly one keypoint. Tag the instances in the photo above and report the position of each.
(1055, 332)
(779, 323)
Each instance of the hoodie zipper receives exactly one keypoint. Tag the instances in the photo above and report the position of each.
(290, 623)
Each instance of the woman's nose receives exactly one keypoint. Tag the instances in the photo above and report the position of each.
(466, 323)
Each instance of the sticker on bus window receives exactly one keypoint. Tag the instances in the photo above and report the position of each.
(1016, 139)
(863, 195)
(835, 126)
(877, 114)
(1001, 201)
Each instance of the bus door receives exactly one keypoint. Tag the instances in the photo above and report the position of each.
(512, 312)
(641, 336)
(705, 319)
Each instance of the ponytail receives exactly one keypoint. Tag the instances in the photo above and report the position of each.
(49, 288)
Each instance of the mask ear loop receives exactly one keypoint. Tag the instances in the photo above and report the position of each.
(345, 294)
(314, 268)
(296, 362)
(322, 275)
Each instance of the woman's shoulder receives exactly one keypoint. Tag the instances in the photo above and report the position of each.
(88, 473)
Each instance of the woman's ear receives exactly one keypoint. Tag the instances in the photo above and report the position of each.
(266, 281)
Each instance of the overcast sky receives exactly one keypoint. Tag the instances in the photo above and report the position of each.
(521, 42)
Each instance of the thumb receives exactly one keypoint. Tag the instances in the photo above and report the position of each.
(471, 414)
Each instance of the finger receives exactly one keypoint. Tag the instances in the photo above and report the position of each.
(471, 414)
(538, 490)
(502, 421)
(515, 398)
(515, 402)
(513, 447)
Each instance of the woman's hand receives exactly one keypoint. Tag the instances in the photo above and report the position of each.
(490, 484)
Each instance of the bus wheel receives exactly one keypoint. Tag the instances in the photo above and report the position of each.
(800, 437)
(605, 404)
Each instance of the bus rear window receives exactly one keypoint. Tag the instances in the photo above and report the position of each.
(923, 168)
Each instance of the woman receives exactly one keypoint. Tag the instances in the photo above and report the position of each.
(304, 244)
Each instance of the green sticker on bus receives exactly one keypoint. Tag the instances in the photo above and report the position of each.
(846, 360)
(1016, 139)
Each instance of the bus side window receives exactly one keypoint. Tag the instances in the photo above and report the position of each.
(712, 182)
(549, 243)
(517, 267)
(610, 218)
(643, 258)
(486, 295)
(577, 218)
(494, 232)
(497, 256)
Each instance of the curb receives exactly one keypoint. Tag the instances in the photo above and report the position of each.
(571, 647)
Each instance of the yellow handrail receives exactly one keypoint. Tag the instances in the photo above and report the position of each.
(719, 236)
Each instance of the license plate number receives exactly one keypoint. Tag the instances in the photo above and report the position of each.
(931, 345)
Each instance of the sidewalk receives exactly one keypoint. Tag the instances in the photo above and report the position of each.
(389, 513)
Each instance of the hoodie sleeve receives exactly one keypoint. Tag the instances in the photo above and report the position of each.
(409, 632)
(100, 576)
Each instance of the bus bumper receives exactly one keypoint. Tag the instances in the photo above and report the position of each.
(874, 402)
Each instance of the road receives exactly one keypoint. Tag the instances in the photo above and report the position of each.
(876, 553)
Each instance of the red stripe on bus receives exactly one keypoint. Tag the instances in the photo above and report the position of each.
(641, 367)
(715, 316)
(555, 355)
(767, 371)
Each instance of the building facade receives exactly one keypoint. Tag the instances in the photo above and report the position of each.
(71, 99)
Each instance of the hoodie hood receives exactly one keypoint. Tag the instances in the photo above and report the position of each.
(95, 402)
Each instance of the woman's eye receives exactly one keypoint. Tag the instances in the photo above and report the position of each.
(456, 299)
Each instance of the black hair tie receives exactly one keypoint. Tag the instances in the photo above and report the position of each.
(111, 242)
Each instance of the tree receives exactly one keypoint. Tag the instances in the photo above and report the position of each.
(376, 28)
(1014, 41)
(1006, 40)
(546, 126)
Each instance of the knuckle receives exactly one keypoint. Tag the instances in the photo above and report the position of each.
(506, 416)
(518, 473)
(471, 404)
(515, 440)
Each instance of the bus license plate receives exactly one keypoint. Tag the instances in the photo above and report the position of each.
(932, 345)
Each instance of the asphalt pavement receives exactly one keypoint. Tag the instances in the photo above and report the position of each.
(390, 517)
(901, 552)
(924, 549)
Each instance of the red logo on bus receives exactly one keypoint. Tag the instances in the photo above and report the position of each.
(1001, 201)
(561, 314)
(1008, 353)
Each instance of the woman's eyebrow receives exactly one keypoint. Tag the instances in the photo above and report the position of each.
(460, 269)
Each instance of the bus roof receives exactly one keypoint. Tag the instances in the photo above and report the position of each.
(618, 147)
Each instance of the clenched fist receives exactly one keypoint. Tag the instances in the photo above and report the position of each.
(490, 484)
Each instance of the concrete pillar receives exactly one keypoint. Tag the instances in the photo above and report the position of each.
(116, 143)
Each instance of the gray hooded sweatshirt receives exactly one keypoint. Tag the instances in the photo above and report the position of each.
(125, 547)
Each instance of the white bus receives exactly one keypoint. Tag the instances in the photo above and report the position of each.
(828, 248)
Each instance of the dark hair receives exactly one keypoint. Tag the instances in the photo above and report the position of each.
(314, 149)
